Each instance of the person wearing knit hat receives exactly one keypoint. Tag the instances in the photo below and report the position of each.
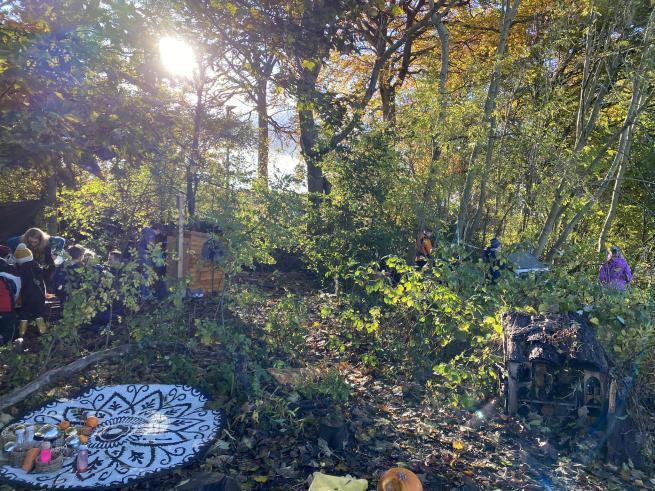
(33, 281)
(23, 254)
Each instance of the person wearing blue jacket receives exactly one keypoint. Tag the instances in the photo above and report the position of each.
(490, 256)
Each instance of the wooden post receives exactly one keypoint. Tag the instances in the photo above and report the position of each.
(180, 236)
(512, 388)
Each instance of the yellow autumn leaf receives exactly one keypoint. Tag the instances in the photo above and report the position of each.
(308, 64)
(261, 479)
(458, 445)
(231, 8)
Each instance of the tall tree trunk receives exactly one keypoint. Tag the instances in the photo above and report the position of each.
(316, 182)
(52, 223)
(570, 226)
(388, 98)
(622, 155)
(309, 144)
(626, 137)
(528, 182)
(592, 95)
(482, 198)
(262, 132)
(194, 155)
(510, 8)
(462, 216)
(623, 146)
(554, 212)
(431, 180)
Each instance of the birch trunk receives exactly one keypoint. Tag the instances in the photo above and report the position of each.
(509, 13)
(194, 155)
(623, 147)
(593, 91)
(626, 137)
(626, 142)
(262, 132)
(430, 182)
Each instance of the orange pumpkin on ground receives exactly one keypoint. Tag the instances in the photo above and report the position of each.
(399, 479)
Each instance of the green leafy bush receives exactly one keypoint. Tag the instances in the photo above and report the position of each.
(445, 320)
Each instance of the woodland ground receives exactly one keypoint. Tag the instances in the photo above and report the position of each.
(272, 439)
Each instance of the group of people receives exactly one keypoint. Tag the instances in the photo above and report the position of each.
(25, 270)
(34, 269)
(614, 273)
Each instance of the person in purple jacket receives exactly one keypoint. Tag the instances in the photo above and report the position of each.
(615, 273)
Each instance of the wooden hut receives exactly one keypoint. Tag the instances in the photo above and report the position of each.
(205, 275)
(554, 365)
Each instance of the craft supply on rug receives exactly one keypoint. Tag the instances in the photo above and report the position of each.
(143, 430)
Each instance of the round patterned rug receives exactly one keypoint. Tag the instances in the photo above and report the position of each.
(143, 430)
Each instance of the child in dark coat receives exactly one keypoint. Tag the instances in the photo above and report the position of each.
(33, 285)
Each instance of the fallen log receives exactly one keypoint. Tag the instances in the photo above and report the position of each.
(57, 374)
(60, 373)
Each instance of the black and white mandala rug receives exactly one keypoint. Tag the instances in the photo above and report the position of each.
(144, 430)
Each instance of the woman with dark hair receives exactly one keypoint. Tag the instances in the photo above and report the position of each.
(615, 272)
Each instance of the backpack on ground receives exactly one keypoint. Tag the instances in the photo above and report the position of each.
(7, 295)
